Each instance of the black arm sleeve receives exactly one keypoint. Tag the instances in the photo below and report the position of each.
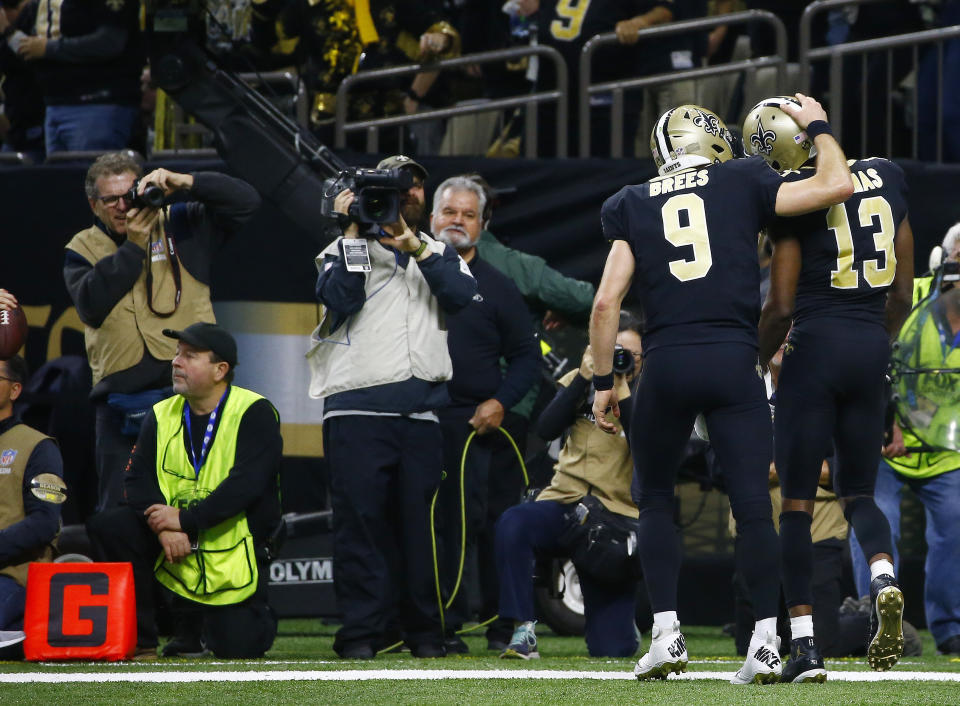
(259, 448)
(220, 204)
(42, 518)
(562, 410)
(105, 42)
(339, 290)
(96, 289)
(141, 489)
(452, 287)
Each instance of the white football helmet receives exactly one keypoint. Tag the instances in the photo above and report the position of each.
(689, 136)
(772, 134)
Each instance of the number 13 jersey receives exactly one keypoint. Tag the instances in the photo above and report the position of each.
(694, 236)
(848, 260)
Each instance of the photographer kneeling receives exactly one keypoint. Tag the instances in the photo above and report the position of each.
(380, 364)
(590, 487)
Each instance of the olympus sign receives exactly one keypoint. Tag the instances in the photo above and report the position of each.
(288, 572)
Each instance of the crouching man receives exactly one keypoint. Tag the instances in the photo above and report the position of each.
(201, 502)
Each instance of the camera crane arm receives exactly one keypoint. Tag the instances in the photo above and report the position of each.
(284, 162)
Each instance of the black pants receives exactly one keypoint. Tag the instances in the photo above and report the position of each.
(831, 390)
(112, 453)
(243, 630)
(383, 473)
(492, 482)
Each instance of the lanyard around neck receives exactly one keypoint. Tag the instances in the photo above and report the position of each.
(207, 435)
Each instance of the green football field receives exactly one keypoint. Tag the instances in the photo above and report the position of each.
(302, 668)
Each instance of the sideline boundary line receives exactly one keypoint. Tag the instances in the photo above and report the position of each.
(417, 674)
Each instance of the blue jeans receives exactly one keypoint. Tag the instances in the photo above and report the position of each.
(13, 598)
(531, 528)
(940, 496)
(99, 126)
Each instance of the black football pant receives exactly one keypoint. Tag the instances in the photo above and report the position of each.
(243, 630)
(720, 380)
(830, 396)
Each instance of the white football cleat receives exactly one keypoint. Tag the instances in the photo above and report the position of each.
(667, 653)
(762, 665)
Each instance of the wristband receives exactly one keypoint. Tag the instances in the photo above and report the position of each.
(819, 127)
(419, 251)
(412, 95)
(603, 382)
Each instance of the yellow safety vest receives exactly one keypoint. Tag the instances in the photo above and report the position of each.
(223, 569)
(925, 464)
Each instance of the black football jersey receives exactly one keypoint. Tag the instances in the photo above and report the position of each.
(848, 250)
(694, 236)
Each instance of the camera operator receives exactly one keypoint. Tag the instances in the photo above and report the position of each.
(591, 463)
(139, 269)
(380, 364)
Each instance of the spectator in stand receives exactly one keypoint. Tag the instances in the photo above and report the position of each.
(89, 61)
(21, 122)
(332, 39)
(567, 27)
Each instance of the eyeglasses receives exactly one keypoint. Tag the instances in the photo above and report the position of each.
(10, 380)
(111, 200)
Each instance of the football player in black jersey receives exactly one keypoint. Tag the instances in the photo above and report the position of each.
(687, 240)
(844, 276)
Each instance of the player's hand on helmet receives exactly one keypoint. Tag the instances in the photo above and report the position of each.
(809, 110)
(606, 406)
(586, 364)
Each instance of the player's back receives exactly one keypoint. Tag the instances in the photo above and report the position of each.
(848, 250)
(693, 234)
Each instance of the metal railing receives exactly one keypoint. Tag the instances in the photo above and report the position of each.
(617, 88)
(529, 100)
(836, 55)
(67, 156)
(17, 159)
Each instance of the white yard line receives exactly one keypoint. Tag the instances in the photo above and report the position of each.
(416, 674)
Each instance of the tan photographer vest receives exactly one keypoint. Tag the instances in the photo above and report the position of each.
(16, 445)
(130, 327)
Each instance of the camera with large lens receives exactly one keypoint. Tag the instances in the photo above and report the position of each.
(622, 360)
(152, 196)
(377, 193)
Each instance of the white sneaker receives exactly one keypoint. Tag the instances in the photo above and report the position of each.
(668, 653)
(11, 637)
(763, 664)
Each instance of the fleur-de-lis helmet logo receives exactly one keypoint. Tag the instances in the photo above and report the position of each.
(710, 124)
(762, 140)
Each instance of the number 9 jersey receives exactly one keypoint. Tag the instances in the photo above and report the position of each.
(848, 260)
(694, 236)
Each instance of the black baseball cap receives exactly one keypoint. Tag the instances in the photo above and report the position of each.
(208, 337)
(399, 161)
